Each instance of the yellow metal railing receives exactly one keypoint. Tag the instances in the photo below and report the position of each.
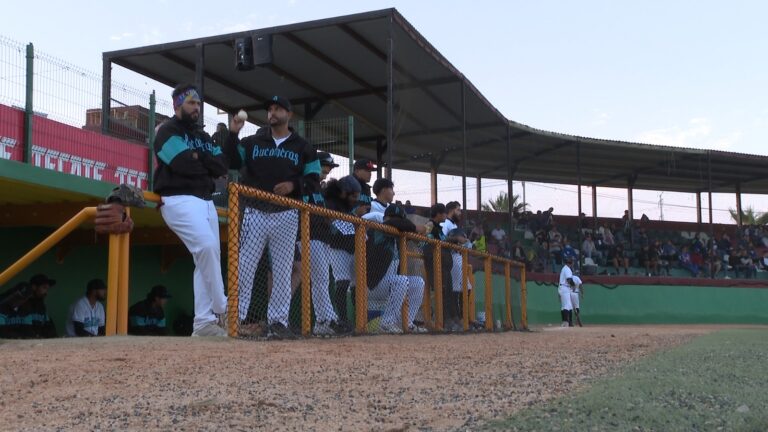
(237, 191)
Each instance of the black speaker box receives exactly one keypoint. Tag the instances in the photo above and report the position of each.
(262, 50)
(243, 54)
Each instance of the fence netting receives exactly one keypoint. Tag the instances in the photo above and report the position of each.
(298, 270)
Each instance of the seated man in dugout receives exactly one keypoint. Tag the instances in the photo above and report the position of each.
(147, 317)
(23, 314)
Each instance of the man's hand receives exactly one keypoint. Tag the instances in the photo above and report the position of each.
(362, 210)
(236, 124)
(283, 189)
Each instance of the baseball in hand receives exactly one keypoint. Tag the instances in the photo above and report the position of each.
(242, 115)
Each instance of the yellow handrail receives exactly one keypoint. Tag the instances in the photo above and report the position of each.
(44, 246)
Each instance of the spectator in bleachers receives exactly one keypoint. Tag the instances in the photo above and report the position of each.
(642, 238)
(570, 252)
(667, 255)
(697, 246)
(608, 238)
(589, 249)
(647, 257)
(384, 190)
(745, 265)
(498, 234)
(555, 240)
(548, 219)
(409, 209)
(518, 254)
(618, 257)
(763, 262)
(714, 263)
(686, 262)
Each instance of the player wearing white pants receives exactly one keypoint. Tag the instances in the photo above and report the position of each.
(575, 297)
(188, 163)
(393, 289)
(564, 290)
(277, 231)
(196, 223)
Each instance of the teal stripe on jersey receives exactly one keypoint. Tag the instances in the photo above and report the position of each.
(241, 150)
(216, 150)
(312, 167)
(172, 148)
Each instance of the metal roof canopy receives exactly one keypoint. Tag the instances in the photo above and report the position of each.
(358, 64)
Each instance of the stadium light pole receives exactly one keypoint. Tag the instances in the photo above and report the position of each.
(510, 175)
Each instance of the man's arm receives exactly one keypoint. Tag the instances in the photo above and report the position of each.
(216, 161)
(173, 151)
(80, 329)
(234, 149)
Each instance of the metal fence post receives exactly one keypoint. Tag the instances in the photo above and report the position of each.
(28, 105)
(488, 294)
(523, 300)
(151, 141)
(351, 143)
(361, 282)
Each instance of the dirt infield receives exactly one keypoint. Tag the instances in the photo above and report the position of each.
(366, 383)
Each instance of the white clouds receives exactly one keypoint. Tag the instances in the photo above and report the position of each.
(600, 117)
(697, 133)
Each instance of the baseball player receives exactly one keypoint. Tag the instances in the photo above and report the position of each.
(362, 172)
(188, 163)
(578, 291)
(564, 290)
(86, 316)
(385, 194)
(385, 283)
(277, 160)
(342, 195)
(23, 314)
(450, 224)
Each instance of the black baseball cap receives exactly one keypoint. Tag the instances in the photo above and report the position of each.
(365, 164)
(95, 285)
(326, 159)
(159, 291)
(569, 259)
(41, 279)
(280, 101)
(457, 232)
(394, 210)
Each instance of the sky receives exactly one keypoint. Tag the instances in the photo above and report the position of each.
(682, 73)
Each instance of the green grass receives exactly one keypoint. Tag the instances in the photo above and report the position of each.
(716, 382)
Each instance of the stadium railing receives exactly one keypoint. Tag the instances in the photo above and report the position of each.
(257, 279)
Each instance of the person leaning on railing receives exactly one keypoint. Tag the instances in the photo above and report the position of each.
(279, 161)
(188, 163)
(343, 195)
(383, 279)
(438, 214)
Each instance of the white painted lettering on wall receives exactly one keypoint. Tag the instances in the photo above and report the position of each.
(130, 176)
(83, 167)
(6, 147)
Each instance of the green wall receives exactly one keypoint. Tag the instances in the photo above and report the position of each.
(84, 263)
(642, 304)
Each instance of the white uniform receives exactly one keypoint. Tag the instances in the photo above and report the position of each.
(319, 271)
(564, 289)
(575, 293)
(92, 317)
(278, 231)
(378, 207)
(457, 270)
(343, 262)
(392, 290)
(196, 223)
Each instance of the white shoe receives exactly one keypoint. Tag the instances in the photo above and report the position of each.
(564, 324)
(413, 328)
(211, 329)
(390, 328)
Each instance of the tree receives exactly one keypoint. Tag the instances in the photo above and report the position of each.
(501, 204)
(749, 216)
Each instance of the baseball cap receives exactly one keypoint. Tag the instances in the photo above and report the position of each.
(349, 184)
(365, 164)
(394, 210)
(280, 101)
(159, 291)
(382, 183)
(94, 285)
(326, 159)
(569, 259)
(457, 232)
(41, 279)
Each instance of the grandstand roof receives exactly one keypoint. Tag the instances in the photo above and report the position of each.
(338, 67)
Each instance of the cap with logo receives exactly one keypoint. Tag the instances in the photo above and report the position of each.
(279, 101)
(326, 159)
(365, 164)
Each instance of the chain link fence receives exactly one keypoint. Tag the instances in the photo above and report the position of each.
(296, 270)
